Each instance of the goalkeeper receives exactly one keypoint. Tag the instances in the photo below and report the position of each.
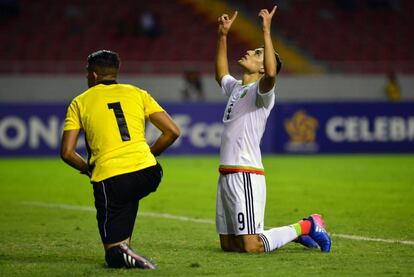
(121, 164)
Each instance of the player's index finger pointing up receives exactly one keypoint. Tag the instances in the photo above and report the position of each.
(273, 11)
(234, 16)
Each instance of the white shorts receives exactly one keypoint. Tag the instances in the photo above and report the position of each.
(240, 204)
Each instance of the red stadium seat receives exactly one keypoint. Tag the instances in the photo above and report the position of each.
(67, 30)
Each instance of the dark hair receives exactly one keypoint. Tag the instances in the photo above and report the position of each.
(103, 59)
(278, 63)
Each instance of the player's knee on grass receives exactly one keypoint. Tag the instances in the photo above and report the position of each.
(225, 243)
(229, 247)
(251, 243)
(225, 247)
(229, 243)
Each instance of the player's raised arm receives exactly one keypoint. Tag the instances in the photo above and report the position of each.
(269, 60)
(222, 66)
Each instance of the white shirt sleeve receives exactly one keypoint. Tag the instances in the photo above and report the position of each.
(228, 83)
(265, 99)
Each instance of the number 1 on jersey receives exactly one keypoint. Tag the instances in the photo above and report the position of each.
(120, 120)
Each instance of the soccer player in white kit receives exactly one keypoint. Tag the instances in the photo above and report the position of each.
(241, 191)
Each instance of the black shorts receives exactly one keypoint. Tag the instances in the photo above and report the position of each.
(117, 199)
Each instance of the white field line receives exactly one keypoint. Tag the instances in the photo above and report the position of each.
(200, 220)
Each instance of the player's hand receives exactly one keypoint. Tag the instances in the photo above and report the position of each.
(225, 23)
(267, 18)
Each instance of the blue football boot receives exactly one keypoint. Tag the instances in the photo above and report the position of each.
(318, 233)
(306, 241)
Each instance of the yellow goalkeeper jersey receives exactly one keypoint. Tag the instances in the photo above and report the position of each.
(113, 118)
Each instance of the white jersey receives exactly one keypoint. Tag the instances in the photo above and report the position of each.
(244, 121)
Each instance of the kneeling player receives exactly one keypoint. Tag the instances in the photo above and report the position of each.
(121, 164)
(241, 193)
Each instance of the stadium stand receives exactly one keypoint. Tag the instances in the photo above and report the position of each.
(47, 31)
(46, 36)
(350, 36)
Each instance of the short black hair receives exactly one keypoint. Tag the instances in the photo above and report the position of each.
(103, 59)
(278, 63)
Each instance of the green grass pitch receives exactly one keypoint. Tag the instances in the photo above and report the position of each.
(369, 196)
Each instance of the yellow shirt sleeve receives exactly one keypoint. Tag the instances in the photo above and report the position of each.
(150, 105)
(72, 121)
